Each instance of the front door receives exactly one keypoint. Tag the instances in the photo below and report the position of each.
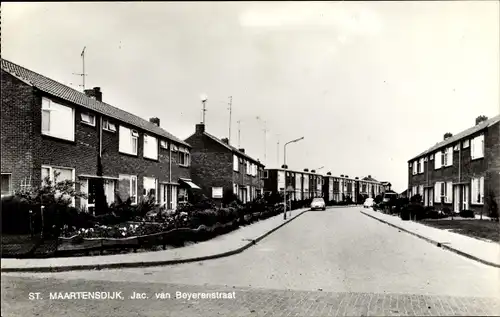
(456, 198)
(465, 197)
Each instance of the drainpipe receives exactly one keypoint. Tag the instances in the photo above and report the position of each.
(170, 174)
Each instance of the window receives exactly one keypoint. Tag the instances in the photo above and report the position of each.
(448, 157)
(108, 126)
(465, 144)
(6, 184)
(438, 161)
(248, 171)
(88, 118)
(236, 165)
(456, 147)
(477, 190)
(183, 157)
(58, 174)
(183, 195)
(174, 148)
(449, 193)
(437, 192)
(128, 141)
(150, 188)
(150, 147)
(164, 144)
(415, 168)
(127, 187)
(421, 166)
(281, 180)
(431, 157)
(266, 174)
(57, 120)
(477, 147)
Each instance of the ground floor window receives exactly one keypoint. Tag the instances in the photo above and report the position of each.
(150, 188)
(183, 195)
(6, 184)
(89, 187)
(58, 174)
(127, 187)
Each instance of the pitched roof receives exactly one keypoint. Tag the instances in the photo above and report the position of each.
(233, 149)
(483, 125)
(57, 89)
(371, 179)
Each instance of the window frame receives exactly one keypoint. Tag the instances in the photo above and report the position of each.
(10, 184)
(236, 163)
(474, 145)
(89, 115)
(49, 110)
(438, 164)
(164, 144)
(52, 178)
(133, 135)
(184, 153)
(146, 139)
(106, 126)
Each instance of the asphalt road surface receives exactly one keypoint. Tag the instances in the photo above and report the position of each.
(333, 262)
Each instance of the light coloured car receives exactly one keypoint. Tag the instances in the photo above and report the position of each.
(368, 203)
(318, 203)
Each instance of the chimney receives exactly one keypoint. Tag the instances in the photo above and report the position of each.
(155, 120)
(356, 177)
(225, 141)
(284, 166)
(447, 135)
(94, 93)
(306, 170)
(329, 173)
(369, 176)
(241, 150)
(313, 171)
(200, 128)
(341, 175)
(346, 176)
(481, 119)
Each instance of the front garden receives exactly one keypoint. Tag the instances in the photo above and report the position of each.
(465, 222)
(55, 228)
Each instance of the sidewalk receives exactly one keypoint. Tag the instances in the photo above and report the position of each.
(478, 250)
(224, 245)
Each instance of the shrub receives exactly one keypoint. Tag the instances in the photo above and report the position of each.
(492, 206)
(446, 211)
(467, 214)
(378, 199)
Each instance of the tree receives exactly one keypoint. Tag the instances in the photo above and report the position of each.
(492, 206)
(481, 119)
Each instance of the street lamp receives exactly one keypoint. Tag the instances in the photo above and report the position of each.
(284, 165)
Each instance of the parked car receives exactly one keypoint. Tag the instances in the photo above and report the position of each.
(369, 202)
(318, 203)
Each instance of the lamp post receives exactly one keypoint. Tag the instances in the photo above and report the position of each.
(285, 167)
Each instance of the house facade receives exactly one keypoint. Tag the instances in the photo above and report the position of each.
(219, 168)
(51, 130)
(308, 184)
(462, 171)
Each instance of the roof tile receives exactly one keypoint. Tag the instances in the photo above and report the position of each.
(57, 89)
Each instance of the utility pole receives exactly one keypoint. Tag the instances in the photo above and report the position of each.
(230, 113)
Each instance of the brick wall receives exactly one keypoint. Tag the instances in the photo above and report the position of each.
(492, 157)
(211, 164)
(16, 139)
(468, 168)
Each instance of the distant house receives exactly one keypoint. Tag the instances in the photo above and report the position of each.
(220, 168)
(387, 185)
(461, 171)
(404, 194)
(51, 130)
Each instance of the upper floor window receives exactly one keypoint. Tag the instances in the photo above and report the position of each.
(88, 118)
(108, 126)
(438, 160)
(58, 120)
(164, 144)
(236, 164)
(415, 167)
(184, 157)
(477, 147)
(465, 144)
(248, 171)
(150, 147)
(128, 142)
(266, 174)
(421, 166)
(448, 157)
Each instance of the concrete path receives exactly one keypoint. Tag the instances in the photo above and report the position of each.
(224, 245)
(479, 250)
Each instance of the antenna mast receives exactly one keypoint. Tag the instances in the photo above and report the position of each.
(83, 69)
(230, 113)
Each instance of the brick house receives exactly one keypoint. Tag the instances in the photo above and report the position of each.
(49, 129)
(303, 184)
(461, 171)
(218, 168)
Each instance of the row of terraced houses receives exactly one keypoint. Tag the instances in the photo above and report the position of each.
(51, 130)
(462, 172)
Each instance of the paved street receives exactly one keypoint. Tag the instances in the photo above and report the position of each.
(334, 262)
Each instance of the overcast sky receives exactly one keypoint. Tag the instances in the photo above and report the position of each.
(369, 85)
